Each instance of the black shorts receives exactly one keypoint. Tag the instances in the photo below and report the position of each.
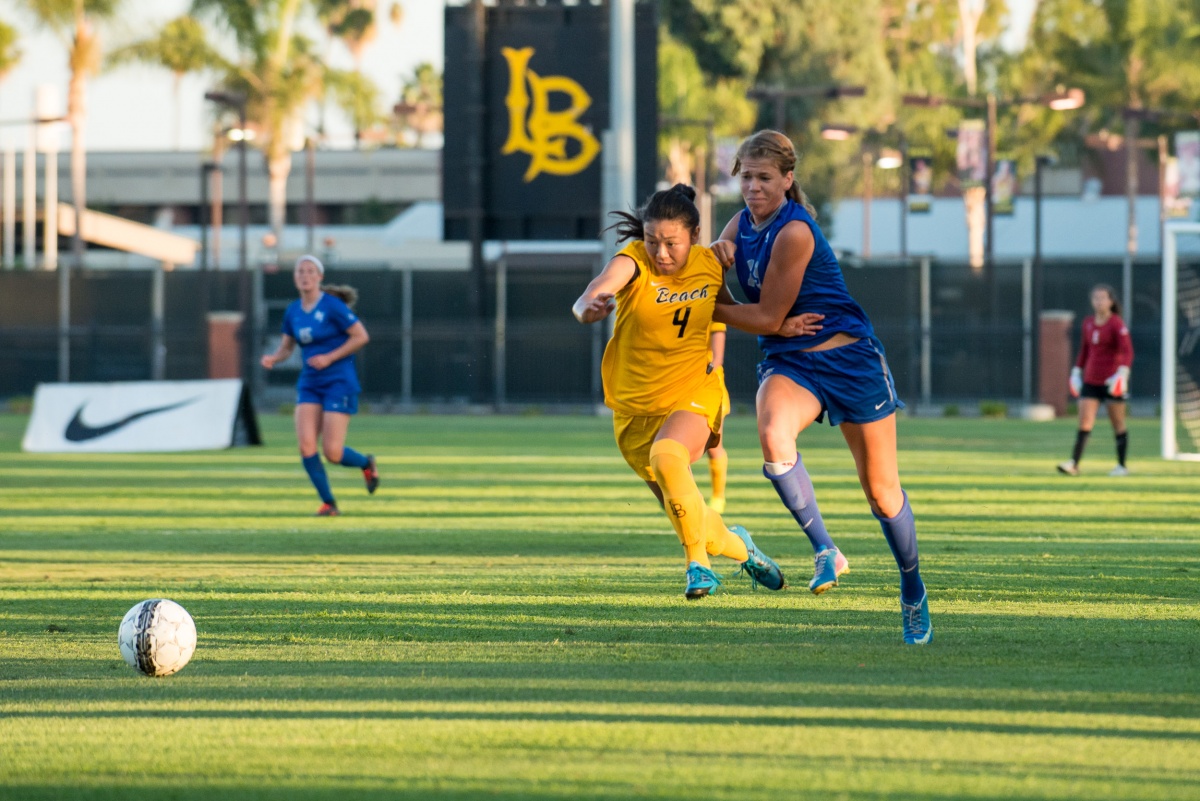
(1100, 392)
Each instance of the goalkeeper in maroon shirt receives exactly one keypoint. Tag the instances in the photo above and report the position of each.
(1101, 375)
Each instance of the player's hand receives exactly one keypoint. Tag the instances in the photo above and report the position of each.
(724, 250)
(597, 308)
(1118, 382)
(1075, 382)
(320, 361)
(268, 361)
(801, 325)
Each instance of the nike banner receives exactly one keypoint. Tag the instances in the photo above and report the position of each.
(141, 416)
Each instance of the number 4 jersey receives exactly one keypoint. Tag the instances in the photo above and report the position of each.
(657, 359)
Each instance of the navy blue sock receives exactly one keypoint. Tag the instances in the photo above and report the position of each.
(901, 534)
(352, 458)
(316, 474)
(796, 491)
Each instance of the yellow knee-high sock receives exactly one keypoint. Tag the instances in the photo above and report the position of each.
(718, 469)
(682, 501)
(720, 540)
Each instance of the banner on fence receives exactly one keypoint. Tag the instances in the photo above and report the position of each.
(1187, 150)
(141, 416)
(972, 153)
(920, 181)
(1004, 186)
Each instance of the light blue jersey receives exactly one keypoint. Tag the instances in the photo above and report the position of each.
(822, 291)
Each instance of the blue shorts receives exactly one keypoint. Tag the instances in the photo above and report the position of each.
(337, 397)
(853, 382)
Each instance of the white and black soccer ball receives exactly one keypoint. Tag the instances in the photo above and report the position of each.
(157, 637)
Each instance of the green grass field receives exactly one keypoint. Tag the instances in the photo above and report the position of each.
(505, 620)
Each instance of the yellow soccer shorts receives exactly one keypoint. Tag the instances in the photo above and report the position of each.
(726, 405)
(635, 434)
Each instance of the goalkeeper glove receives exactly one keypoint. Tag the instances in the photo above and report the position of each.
(1076, 382)
(1118, 383)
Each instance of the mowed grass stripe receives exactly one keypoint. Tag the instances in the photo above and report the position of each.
(504, 620)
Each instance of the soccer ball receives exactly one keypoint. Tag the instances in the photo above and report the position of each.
(157, 637)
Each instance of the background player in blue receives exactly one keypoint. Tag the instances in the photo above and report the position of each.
(329, 334)
(786, 267)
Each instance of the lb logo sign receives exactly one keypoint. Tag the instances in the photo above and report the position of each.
(537, 131)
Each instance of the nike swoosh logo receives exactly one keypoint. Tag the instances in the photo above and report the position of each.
(79, 431)
(879, 405)
(698, 406)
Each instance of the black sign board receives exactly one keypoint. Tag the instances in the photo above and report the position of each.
(544, 82)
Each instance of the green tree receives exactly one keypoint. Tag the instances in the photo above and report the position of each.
(1123, 53)
(181, 47)
(10, 54)
(280, 74)
(75, 23)
(687, 100)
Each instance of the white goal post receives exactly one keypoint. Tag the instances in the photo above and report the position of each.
(1180, 355)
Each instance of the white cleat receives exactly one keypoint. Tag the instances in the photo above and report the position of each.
(1119, 470)
(1069, 468)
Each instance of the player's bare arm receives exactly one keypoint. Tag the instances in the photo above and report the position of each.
(357, 337)
(724, 246)
(798, 325)
(599, 299)
(286, 346)
(789, 261)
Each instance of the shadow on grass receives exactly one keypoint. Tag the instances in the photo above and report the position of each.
(559, 653)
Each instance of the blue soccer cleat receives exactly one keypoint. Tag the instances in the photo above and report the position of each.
(700, 581)
(917, 628)
(828, 564)
(762, 568)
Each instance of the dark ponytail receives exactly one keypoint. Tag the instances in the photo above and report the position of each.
(677, 203)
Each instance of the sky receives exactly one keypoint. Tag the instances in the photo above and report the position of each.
(134, 108)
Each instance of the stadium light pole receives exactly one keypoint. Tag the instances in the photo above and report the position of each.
(885, 159)
(1039, 276)
(1062, 99)
(1131, 141)
(778, 96)
(237, 102)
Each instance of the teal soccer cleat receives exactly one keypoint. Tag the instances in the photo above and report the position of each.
(762, 568)
(917, 628)
(700, 581)
(828, 564)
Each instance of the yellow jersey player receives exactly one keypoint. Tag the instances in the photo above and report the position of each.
(718, 459)
(666, 399)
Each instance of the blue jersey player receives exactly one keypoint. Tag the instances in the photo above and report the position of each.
(837, 368)
(329, 334)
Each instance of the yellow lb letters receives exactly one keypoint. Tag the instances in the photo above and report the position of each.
(544, 135)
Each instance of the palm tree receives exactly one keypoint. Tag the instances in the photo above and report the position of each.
(420, 108)
(180, 47)
(353, 23)
(279, 73)
(74, 21)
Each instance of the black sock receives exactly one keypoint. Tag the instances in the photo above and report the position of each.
(1081, 438)
(1122, 446)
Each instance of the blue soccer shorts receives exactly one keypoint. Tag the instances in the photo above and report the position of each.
(337, 397)
(853, 383)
